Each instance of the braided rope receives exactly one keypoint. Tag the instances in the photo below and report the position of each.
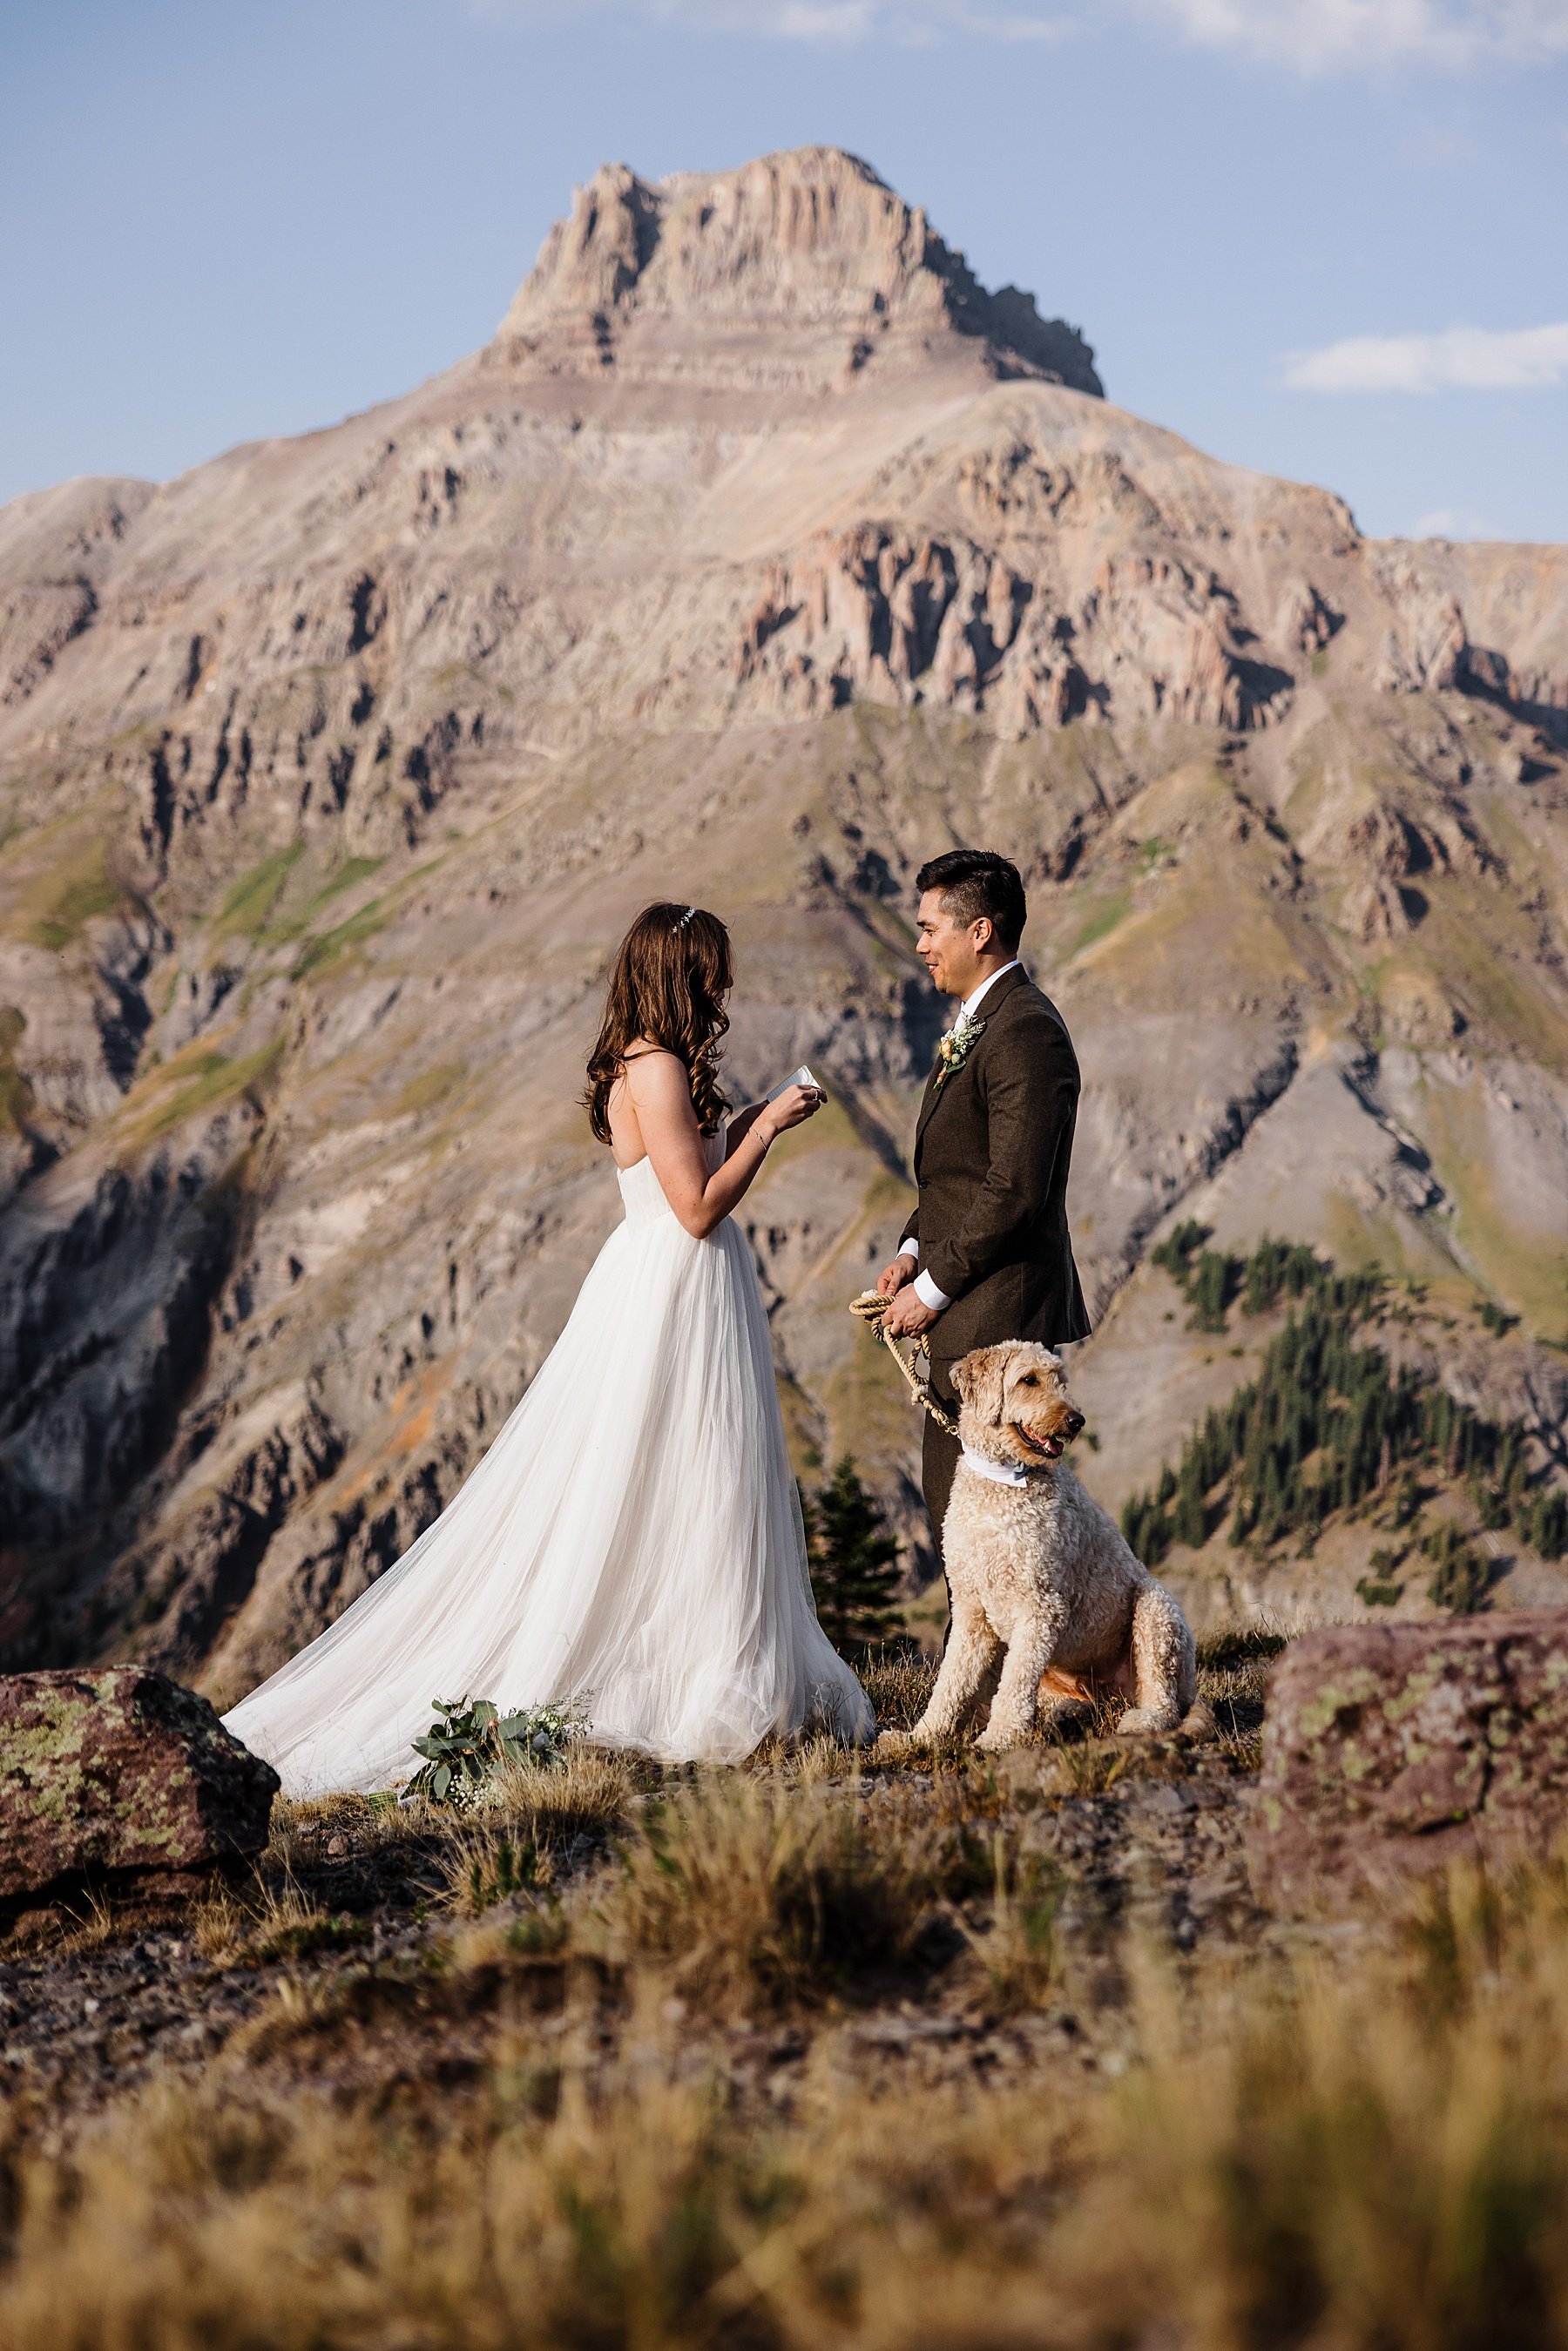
(871, 1310)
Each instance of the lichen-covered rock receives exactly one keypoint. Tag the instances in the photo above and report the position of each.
(1390, 1750)
(117, 1768)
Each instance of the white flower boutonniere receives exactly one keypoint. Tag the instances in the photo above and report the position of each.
(956, 1046)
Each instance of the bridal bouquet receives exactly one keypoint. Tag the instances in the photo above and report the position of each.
(469, 1744)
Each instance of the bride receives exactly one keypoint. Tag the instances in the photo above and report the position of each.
(631, 1541)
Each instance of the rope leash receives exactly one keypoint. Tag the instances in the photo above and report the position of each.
(871, 1310)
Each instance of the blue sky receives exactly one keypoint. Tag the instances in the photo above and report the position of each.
(1326, 237)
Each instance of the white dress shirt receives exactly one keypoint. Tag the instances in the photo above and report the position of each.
(925, 1290)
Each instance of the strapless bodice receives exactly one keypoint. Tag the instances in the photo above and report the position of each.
(642, 1195)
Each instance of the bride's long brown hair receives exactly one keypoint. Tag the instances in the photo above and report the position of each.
(669, 984)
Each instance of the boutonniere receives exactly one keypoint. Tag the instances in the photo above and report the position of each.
(954, 1049)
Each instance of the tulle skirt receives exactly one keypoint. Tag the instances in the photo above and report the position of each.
(630, 1541)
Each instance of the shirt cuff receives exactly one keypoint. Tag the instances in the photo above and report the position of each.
(925, 1290)
(910, 1247)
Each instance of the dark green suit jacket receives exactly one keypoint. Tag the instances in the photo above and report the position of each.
(992, 1150)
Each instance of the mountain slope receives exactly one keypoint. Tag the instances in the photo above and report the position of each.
(761, 555)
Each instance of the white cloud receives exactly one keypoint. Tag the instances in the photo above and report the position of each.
(1452, 522)
(1331, 35)
(1304, 36)
(1471, 359)
(839, 23)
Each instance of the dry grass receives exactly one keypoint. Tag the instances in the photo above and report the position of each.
(1019, 1956)
(483, 1867)
(1377, 2156)
(756, 1890)
(367, 1823)
(1371, 2157)
(589, 1793)
(516, 1840)
(1091, 1767)
(269, 1922)
(90, 1927)
(898, 1678)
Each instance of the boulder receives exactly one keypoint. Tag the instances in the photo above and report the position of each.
(117, 1769)
(1390, 1750)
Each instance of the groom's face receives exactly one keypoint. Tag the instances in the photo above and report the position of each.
(948, 948)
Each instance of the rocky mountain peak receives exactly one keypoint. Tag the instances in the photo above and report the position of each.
(809, 252)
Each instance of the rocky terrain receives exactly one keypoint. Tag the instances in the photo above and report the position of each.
(1102, 2042)
(762, 553)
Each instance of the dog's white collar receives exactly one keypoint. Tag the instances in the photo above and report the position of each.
(1000, 1473)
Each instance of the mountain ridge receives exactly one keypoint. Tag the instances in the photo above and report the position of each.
(331, 771)
(813, 235)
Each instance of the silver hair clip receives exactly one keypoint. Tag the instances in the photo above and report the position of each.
(682, 920)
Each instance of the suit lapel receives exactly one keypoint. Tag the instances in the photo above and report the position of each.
(995, 998)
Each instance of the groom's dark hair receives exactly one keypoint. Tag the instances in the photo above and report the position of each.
(975, 881)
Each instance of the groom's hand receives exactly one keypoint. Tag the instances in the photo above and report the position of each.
(907, 1316)
(891, 1278)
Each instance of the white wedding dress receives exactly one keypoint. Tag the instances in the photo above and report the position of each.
(631, 1540)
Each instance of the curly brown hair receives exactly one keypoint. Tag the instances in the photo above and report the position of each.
(669, 984)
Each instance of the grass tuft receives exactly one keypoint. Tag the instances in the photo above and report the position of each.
(758, 1891)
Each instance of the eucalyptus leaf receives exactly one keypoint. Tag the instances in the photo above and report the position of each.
(473, 1742)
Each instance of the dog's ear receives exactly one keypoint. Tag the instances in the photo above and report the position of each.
(978, 1378)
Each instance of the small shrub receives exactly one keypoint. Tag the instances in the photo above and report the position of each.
(1462, 1578)
(482, 1872)
(854, 1563)
(1544, 1523)
(470, 1743)
(1216, 1277)
(1175, 1252)
(1378, 1589)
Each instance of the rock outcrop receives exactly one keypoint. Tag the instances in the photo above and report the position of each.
(1387, 1754)
(120, 1772)
(796, 271)
(761, 553)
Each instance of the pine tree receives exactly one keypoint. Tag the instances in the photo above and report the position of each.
(1189, 1519)
(854, 1563)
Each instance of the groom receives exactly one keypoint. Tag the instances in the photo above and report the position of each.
(986, 1254)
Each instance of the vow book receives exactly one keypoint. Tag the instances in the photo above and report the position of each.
(801, 1077)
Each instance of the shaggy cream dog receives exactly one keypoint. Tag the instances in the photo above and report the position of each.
(1038, 1569)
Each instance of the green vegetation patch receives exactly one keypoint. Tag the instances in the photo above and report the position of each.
(200, 1081)
(854, 1563)
(348, 876)
(245, 912)
(1328, 1424)
(16, 1093)
(1102, 920)
(429, 1088)
(332, 945)
(67, 899)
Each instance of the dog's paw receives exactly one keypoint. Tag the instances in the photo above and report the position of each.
(1199, 1724)
(890, 1744)
(999, 1740)
(1148, 1722)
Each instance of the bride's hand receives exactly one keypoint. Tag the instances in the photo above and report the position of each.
(793, 1107)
